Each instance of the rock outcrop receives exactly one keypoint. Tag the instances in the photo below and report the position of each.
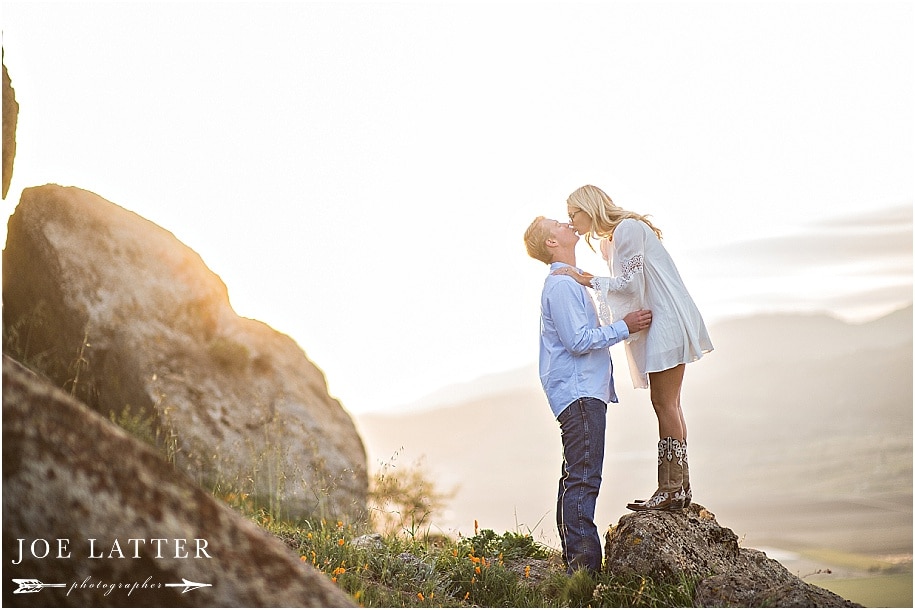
(667, 546)
(10, 119)
(120, 314)
(134, 529)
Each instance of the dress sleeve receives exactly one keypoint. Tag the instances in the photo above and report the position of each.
(618, 295)
(576, 331)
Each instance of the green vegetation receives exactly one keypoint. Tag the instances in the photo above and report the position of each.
(393, 560)
(406, 566)
(486, 570)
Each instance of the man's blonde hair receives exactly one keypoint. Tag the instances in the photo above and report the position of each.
(535, 240)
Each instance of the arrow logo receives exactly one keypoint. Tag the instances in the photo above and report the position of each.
(188, 585)
(31, 585)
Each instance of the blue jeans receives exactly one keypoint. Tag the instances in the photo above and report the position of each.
(583, 426)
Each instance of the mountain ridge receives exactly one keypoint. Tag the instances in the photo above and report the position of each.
(882, 331)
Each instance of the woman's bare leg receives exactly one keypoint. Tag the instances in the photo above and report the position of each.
(665, 398)
(682, 419)
(672, 469)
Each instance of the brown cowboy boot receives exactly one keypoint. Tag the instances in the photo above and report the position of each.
(662, 449)
(687, 490)
(670, 494)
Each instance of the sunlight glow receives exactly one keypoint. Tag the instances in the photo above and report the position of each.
(360, 175)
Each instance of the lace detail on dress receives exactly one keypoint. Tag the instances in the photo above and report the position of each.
(615, 294)
(621, 283)
(632, 266)
(603, 310)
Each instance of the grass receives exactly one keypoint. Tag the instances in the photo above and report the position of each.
(486, 570)
(406, 566)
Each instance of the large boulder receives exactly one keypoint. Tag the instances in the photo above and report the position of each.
(93, 517)
(10, 119)
(670, 546)
(119, 313)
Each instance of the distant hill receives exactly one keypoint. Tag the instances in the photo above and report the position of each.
(800, 435)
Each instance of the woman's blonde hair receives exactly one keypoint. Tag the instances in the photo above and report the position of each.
(605, 215)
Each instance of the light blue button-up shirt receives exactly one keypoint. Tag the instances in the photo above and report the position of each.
(574, 348)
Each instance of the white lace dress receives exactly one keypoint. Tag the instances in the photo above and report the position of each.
(643, 276)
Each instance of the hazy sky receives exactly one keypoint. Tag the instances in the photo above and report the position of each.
(360, 174)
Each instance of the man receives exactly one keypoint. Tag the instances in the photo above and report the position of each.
(577, 377)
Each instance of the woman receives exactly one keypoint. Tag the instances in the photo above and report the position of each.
(643, 276)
